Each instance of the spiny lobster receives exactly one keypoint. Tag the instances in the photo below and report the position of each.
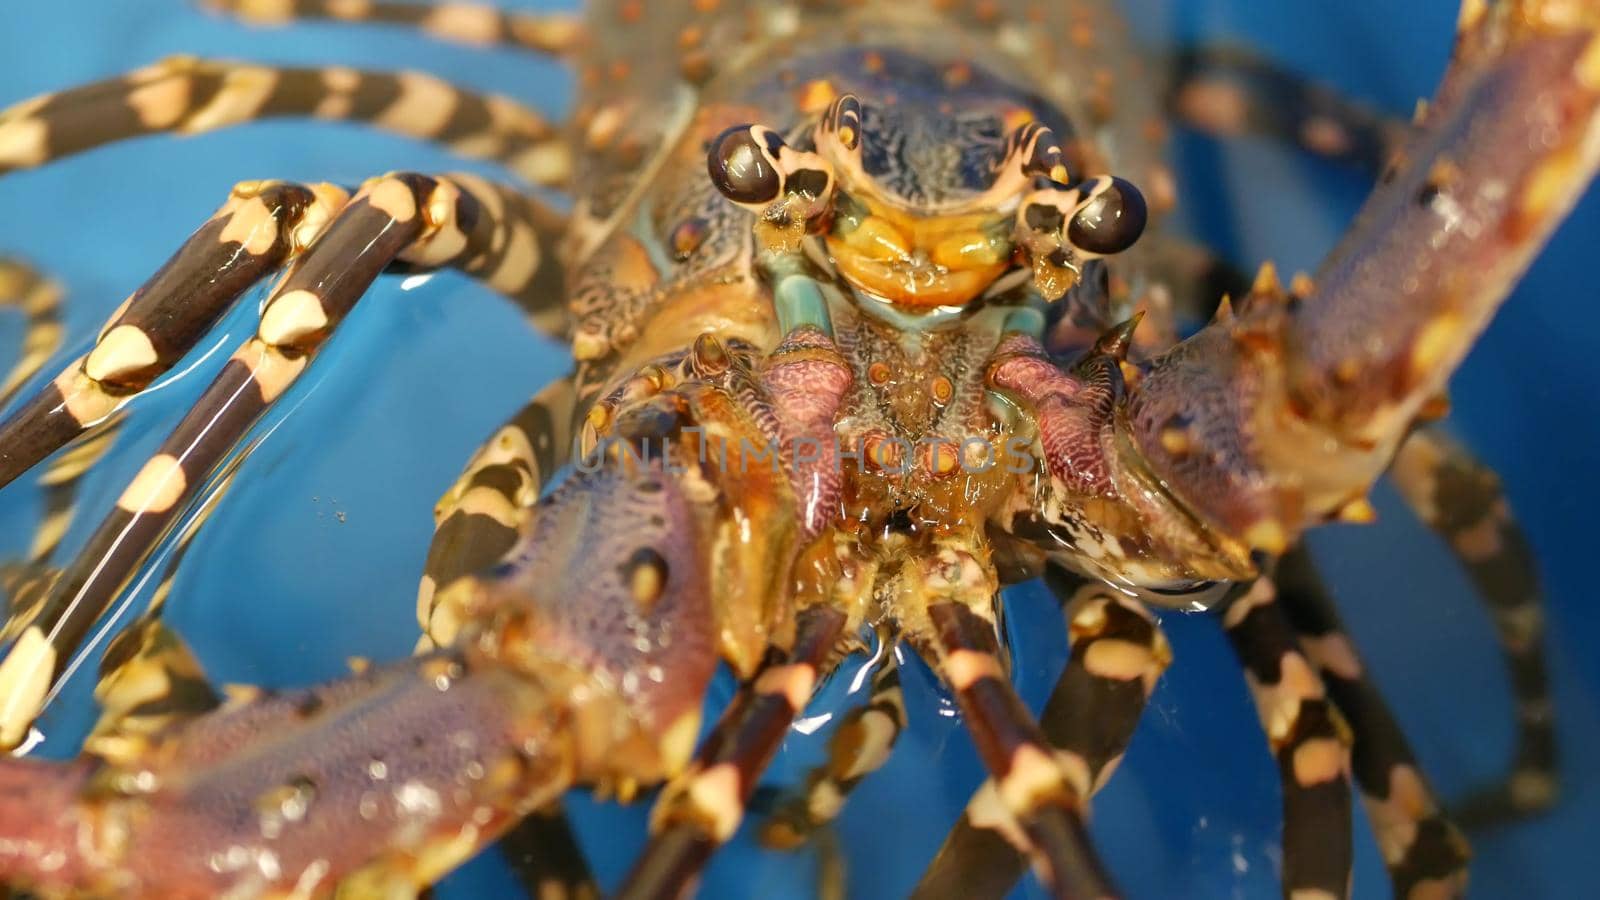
(865, 328)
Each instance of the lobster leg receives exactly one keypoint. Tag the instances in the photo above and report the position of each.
(1460, 499)
(472, 24)
(1421, 847)
(701, 809)
(477, 520)
(151, 680)
(545, 856)
(184, 95)
(1231, 92)
(858, 746)
(416, 219)
(1281, 415)
(148, 678)
(261, 225)
(1041, 788)
(39, 300)
(61, 480)
(947, 605)
(1117, 655)
(25, 583)
(1309, 741)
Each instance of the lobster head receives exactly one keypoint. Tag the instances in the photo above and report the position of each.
(927, 232)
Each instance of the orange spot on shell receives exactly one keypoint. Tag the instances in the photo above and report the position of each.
(814, 96)
(602, 129)
(696, 67)
(1016, 117)
(687, 237)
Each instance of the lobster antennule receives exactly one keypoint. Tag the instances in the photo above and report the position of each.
(1272, 420)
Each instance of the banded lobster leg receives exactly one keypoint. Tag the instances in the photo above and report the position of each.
(184, 95)
(149, 679)
(1117, 655)
(1461, 500)
(26, 581)
(472, 24)
(261, 226)
(1281, 415)
(858, 746)
(478, 519)
(1425, 854)
(414, 219)
(38, 298)
(1309, 740)
(701, 809)
(1232, 92)
(949, 614)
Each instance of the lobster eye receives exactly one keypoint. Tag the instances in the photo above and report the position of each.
(740, 168)
(1111, 221)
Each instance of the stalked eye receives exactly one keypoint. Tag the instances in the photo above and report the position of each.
(1111, 221)
(740, 167)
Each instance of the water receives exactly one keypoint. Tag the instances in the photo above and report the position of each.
(314, 555)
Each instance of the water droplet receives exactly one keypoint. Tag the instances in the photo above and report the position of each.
(285, 805)
(417, 800)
